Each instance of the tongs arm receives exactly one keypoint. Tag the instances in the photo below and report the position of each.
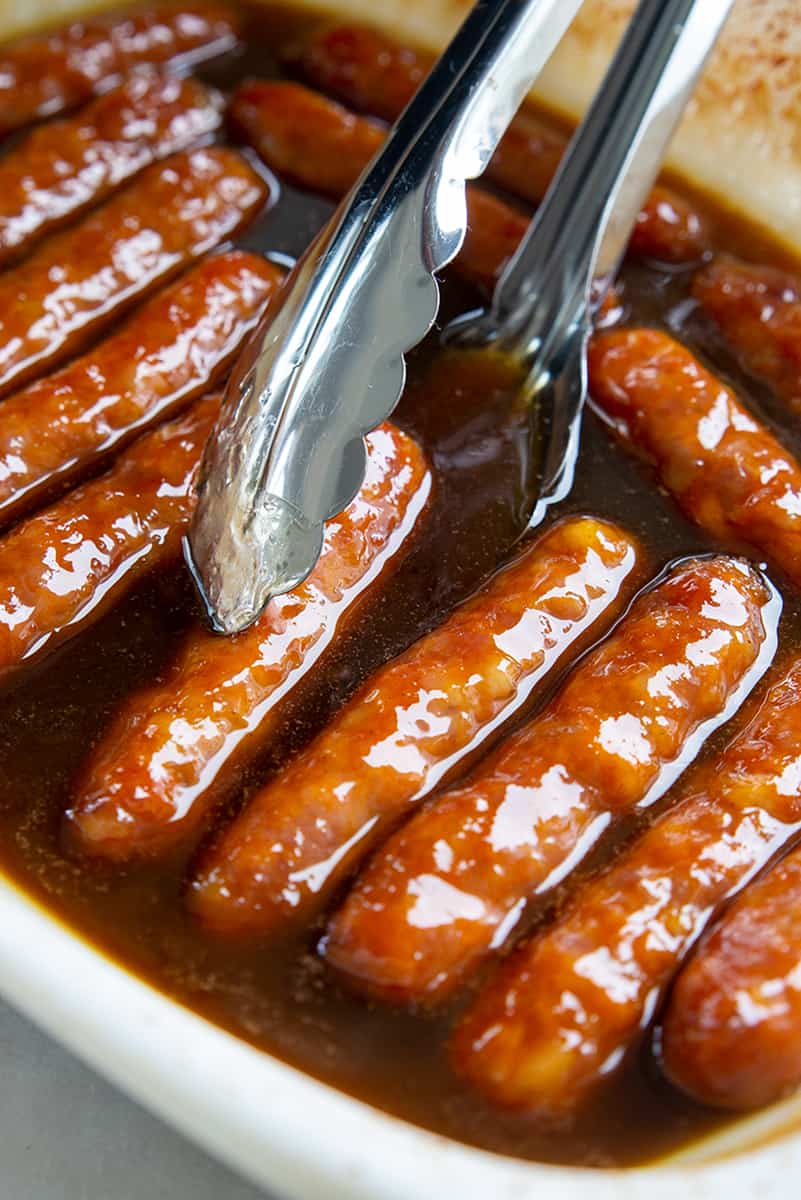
(327, 366)
(543, 306)
(572, 251)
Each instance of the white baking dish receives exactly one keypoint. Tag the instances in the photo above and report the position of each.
(302, 1138)
(273, 1123)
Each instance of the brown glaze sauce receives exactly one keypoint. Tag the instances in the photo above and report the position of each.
(281, 997)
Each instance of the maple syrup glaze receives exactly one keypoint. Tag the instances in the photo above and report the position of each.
(279, 994)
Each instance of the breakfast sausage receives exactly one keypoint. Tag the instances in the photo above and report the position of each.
(169, 351)
(46, 73)
(370, 72)
(758, 310)
(409, 725)
(79, 280)
(68, 564)
(564, 1010)
(148, 783)
(732, 1031)
(66, 166)
(450, 884)
(319, 145)
(726, 471)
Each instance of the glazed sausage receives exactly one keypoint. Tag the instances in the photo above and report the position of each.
(669, 230)
(321, 146)
(758, 310)
(373, 74)
(363, 67)
(49, 72)
(732, 1032)
(409, 725)
(367, 70)
(79, 280)
(169, 351)
(450, 884)
(65, 166)
(69, 563)
(563, 1011)
(148, 784)
(727, 472)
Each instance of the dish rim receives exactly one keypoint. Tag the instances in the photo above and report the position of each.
(211, 1086)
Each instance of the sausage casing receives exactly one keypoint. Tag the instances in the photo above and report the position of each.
(449, 885)
(321, 146)
(69, 563)
(79, 280)
(732, 1030)
(567, 1006)
(66, 166)
(148, 783)
(47, 73)
(368, 71)
(412, 722)
(726, 471)
(167, 352)
(758, 310)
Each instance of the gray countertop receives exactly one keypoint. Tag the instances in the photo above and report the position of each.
(66, 1134)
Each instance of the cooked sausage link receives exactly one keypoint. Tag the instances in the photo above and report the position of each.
(166, 353)
(69, 563)
(732, 1032)
(448, 886)
(726, 471)
(361, 66)
(373, 74)
(66, 166)
(321, 146)
(758, 310)
(79, 280)
(302, 136)
(563, 1011)
(410, 724)
(49, 72)
(148, 784)
(494, 233)
(669, 230)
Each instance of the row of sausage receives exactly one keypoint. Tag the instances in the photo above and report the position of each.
(445, 888)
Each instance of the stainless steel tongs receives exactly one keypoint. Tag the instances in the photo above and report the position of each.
(327, 366)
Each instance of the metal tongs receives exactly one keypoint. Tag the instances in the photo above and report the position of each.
(327, 366)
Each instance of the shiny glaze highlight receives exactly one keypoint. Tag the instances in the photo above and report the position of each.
(48, 72)
(561, 1015)
(732, 1031)
(724, 468)
(148, 784)
(167, 352)
(451, 884)
(63, 167)
(758, 311)
(410, 725)
(66, 565)
(78, 281)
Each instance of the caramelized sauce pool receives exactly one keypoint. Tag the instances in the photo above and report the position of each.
(280, 997)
